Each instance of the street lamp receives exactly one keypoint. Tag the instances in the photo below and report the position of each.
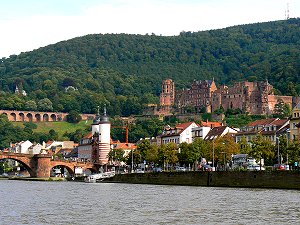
(224, 160)
(213, 160)
(278, 159)
(131, 161)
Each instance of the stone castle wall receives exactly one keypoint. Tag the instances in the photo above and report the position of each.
(249, 97)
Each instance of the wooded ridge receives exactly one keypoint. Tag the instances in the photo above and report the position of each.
(125, 71)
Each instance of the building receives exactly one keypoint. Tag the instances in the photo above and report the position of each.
(126, 147)
(204, 128)
(295, 123)
(179, 134)
(22, 147)
(269, 128)
(217, 132)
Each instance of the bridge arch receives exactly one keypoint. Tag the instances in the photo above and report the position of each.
(62, 165)
(27, 167)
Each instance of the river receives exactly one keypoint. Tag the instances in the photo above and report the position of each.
(32, 202)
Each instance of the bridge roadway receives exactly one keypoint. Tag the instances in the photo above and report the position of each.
(40, 165)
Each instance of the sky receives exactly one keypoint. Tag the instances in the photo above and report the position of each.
(30, 24)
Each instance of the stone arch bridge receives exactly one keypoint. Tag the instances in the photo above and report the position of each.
(32, 116)
(40, 165)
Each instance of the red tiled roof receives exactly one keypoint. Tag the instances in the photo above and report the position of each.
(280, 122)
(125, 146)
(262, 122)
(88, 136)
(184, 125)
(215, 132)
(212, 124)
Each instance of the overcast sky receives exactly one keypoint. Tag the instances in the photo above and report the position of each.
(30, 24)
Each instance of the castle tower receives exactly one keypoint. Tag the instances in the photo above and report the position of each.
(104, 138)
(167, 97)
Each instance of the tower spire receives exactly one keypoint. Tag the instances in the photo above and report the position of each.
(104, 109)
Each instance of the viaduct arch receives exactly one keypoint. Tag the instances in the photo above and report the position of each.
(31, 116)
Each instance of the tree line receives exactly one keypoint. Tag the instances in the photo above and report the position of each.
(220, 151)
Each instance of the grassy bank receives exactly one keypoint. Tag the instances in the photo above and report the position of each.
(59, 127)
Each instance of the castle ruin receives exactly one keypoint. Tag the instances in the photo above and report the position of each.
(250, 97)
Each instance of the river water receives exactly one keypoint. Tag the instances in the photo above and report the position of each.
(32, 202)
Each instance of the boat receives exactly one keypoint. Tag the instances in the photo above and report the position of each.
(93, 178)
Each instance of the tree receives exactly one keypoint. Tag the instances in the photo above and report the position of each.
(281, 109)
(30, 105)
(245, 147)
(116, 156)
(293, 151)
(168, 154)
(200, 149)
(225, 147)
(73, 117)
(53, 135)
(45, 105)
(262, 149)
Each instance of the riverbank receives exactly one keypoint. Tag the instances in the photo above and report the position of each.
(36, 179)
(248, 179)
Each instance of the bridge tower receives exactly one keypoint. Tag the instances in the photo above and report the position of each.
(104, 138)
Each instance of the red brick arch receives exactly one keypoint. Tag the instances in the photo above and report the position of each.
(23, 159)
(32, 116)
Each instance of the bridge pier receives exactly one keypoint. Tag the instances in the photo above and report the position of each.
(43, 166)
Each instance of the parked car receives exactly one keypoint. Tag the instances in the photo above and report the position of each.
(279, 167)
(157, 169)
(208, 167)
(180, 168)
(255, 167)
(140, 171)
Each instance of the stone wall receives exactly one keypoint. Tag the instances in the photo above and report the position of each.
(250, 179)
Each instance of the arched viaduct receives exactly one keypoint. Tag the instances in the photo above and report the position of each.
(40, 165)
(31, 116)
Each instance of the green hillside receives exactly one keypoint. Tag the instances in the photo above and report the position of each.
(60, 127)
(125, 71)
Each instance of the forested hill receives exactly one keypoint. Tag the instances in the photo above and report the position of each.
(125, 71)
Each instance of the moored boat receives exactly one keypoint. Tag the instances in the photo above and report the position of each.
(93, 178)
